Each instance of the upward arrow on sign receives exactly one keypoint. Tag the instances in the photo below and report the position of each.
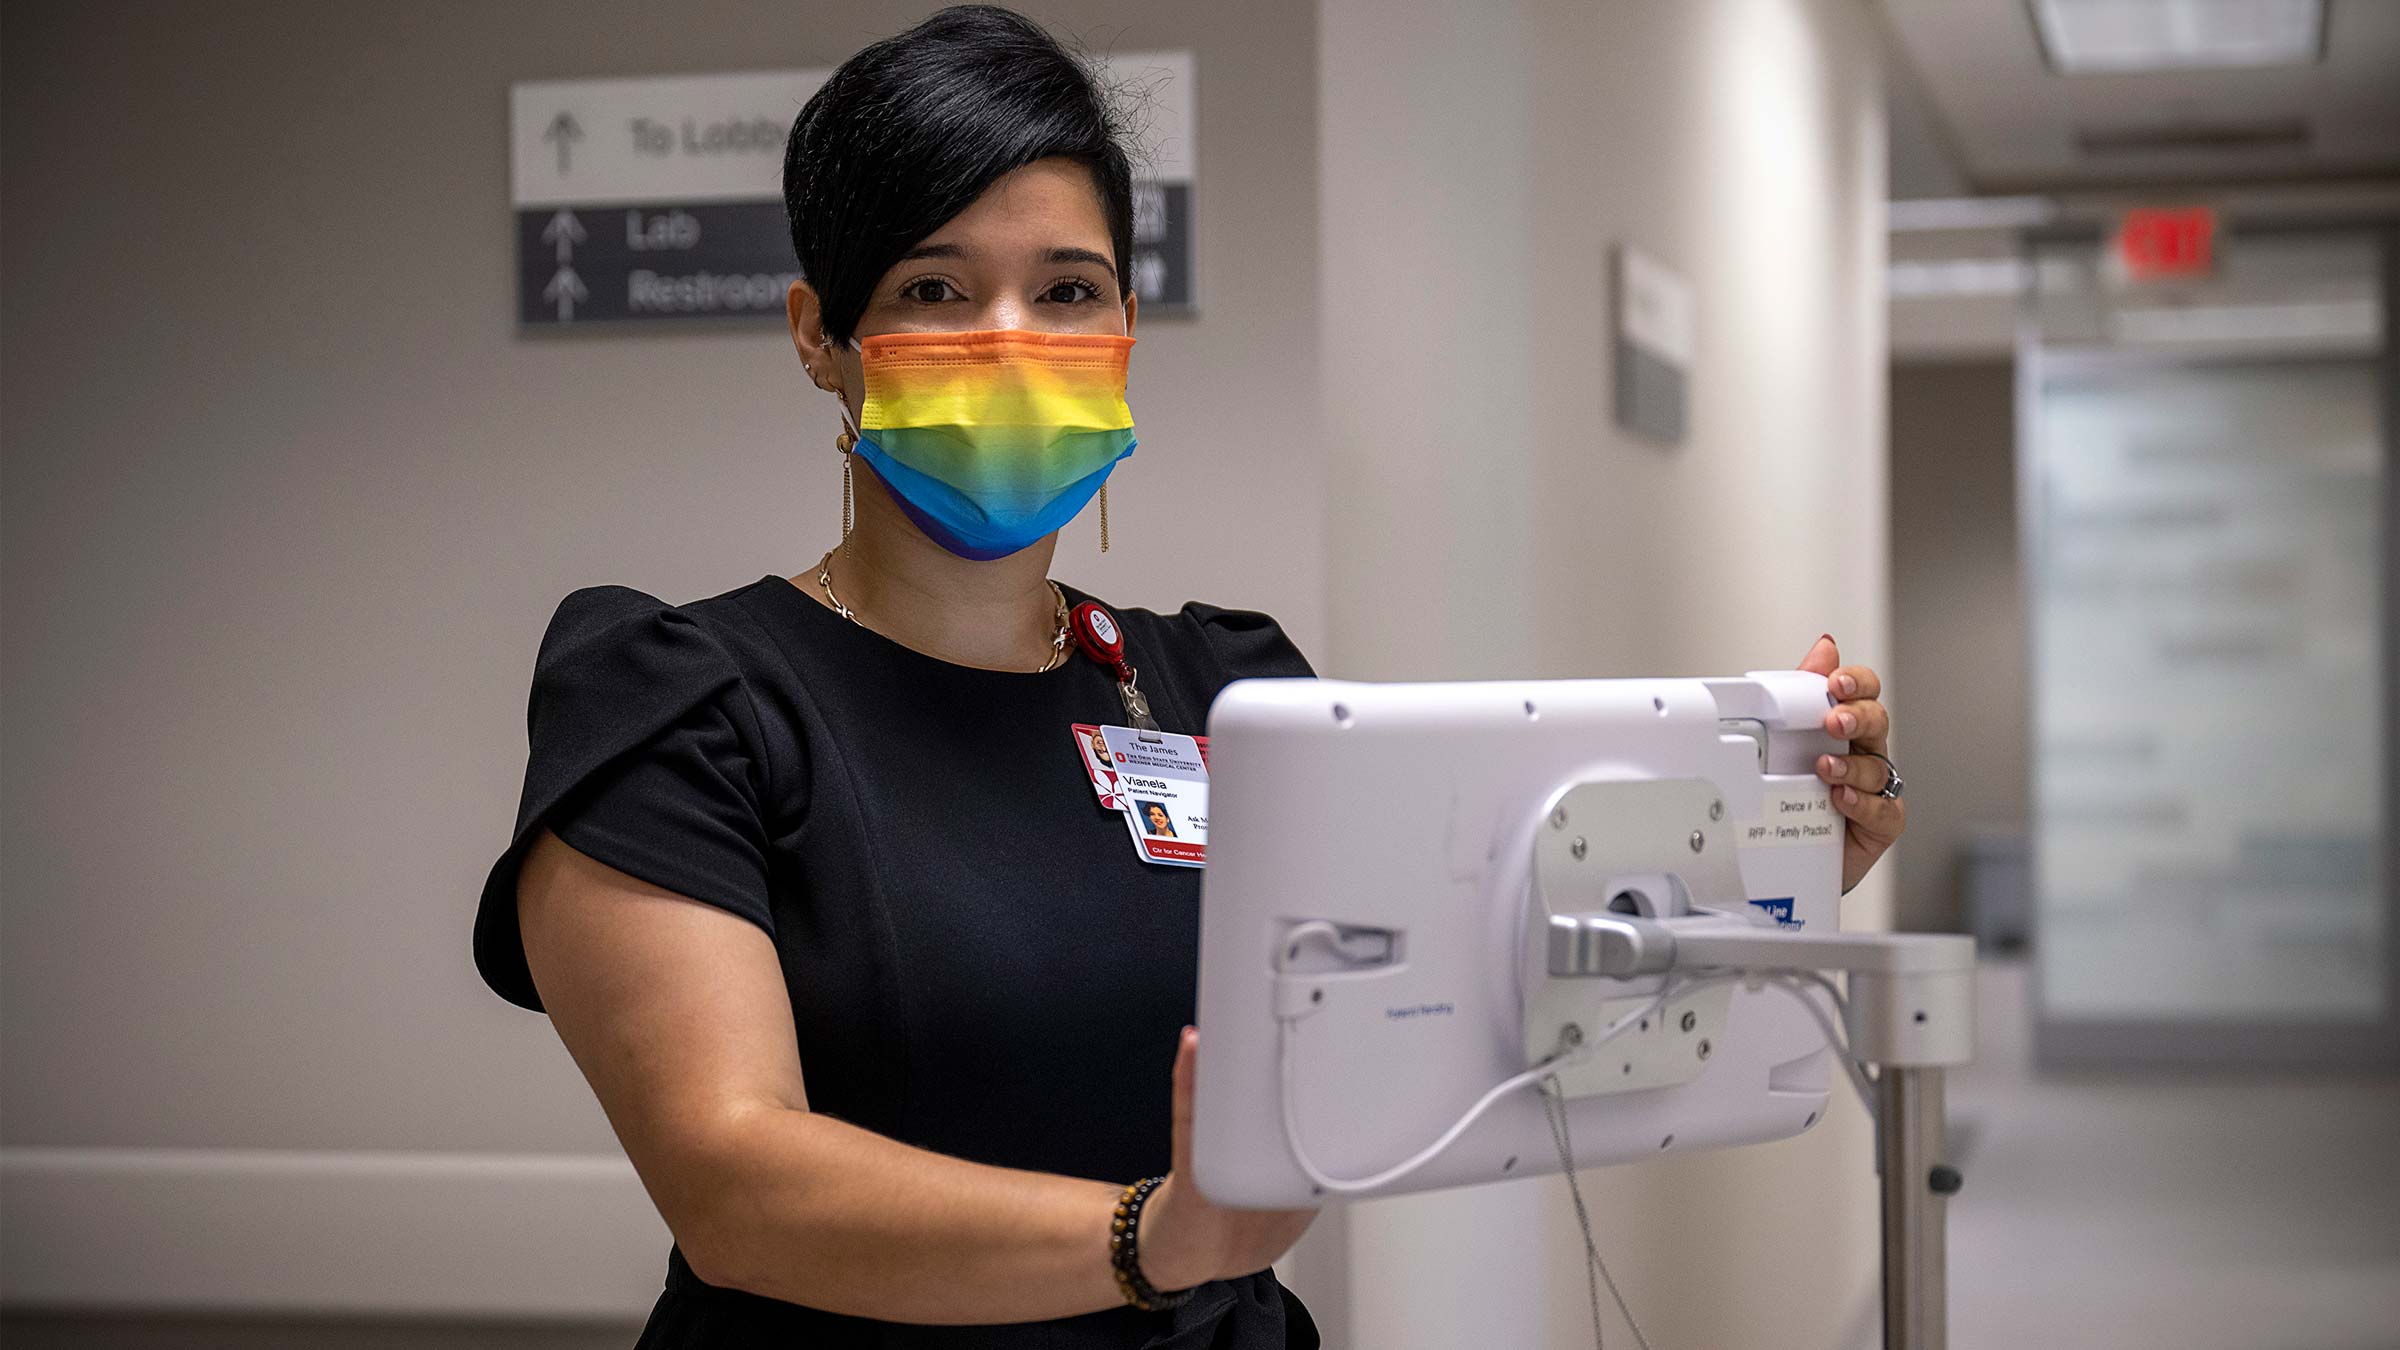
(564, 132)
(565, 289)
(565, 231)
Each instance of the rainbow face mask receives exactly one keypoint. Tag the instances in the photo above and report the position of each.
(990, 440)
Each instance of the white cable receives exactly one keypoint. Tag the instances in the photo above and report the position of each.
(1352, 1186)
(1787, 981)
(1790, 984)
(1554, 1106)
(1285, 1036)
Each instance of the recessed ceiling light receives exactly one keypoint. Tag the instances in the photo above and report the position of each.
(2091, 36)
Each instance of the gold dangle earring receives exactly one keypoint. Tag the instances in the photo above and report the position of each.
(843, 442)
(1104, 516)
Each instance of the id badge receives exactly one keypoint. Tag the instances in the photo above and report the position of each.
(1100, 767)
(1092, 748)
(1158, 783)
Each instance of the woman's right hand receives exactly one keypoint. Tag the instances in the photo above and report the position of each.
(1185, 1239)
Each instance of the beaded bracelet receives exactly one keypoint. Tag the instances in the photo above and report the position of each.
(1124, 1252)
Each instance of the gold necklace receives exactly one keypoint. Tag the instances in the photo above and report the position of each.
(1058, 598)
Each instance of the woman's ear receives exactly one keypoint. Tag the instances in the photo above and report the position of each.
(1133, 303)
(806, 314)
(831, 367)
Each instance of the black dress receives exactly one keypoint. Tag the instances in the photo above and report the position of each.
(978, 964)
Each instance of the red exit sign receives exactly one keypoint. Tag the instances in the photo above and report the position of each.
(2155, 243)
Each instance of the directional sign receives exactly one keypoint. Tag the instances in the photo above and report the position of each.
(564, 131)
(651, 262)
(663, 198)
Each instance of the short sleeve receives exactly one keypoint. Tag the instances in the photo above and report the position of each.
(1247, 644)
(640, 753)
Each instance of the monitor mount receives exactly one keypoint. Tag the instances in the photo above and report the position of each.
(1634, 885)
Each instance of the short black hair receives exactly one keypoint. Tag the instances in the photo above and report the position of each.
(910, 130)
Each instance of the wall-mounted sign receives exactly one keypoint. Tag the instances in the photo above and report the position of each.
(663, 198)
(2157, 244)
(1654, 346)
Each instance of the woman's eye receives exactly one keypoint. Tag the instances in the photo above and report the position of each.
(929, 291)
(1071, 291)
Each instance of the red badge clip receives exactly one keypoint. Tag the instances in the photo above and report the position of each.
(1096, 632)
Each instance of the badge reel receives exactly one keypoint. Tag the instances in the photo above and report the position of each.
(1156, 781)
(1096, 632)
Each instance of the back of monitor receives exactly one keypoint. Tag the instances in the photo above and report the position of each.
(1425, 822)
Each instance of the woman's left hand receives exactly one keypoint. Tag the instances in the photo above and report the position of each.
(1857, 780)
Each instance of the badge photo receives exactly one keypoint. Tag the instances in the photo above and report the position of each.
(1162, 781)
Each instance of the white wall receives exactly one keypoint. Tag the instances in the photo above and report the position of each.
(1477, 165)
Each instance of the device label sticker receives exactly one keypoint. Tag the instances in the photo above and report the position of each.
(1793, 816)
(1780, 910)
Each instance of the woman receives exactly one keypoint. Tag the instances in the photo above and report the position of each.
(882, 1032)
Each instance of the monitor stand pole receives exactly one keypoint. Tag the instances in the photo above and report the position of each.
(1917, 1185)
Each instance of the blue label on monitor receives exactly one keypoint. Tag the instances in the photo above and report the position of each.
(1780, 910)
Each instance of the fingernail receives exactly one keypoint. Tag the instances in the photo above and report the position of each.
(1833, 766)
(1847, 685)
(1849, 722)
(1848, 795)
(1826, 637)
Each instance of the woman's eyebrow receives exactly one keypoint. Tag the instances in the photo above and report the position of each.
(1082, 255)
(1056, 255)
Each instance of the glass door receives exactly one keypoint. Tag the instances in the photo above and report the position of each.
(2206, 494)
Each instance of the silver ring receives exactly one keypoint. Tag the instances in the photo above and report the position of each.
(1891, 772)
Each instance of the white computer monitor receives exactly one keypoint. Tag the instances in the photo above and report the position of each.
(1382, 858)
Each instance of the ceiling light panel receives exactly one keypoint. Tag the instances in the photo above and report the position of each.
(2094, 36)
